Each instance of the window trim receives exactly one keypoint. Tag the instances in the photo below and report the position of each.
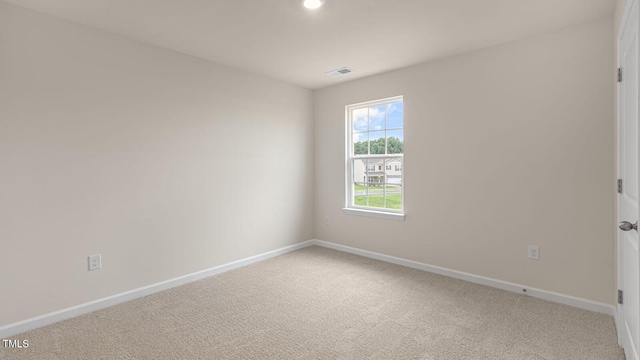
(372, 213)
(350, 208)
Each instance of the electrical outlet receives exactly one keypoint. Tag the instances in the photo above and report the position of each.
(95, 262)
(534, 252)
(326, 219)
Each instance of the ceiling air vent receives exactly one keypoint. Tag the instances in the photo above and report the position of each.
(339, 72)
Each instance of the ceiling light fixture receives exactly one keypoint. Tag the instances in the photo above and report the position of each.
(312, 4)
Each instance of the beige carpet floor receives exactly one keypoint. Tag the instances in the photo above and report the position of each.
(318, 303)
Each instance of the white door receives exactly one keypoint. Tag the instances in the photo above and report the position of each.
(628, 254)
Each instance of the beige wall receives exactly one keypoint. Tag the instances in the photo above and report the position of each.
(163, 163)
(617, 16)
(504, 147)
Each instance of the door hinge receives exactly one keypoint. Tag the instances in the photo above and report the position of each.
(619, 75)
(619, 186)
(620, 297)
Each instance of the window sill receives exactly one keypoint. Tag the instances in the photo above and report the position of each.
(376, 214)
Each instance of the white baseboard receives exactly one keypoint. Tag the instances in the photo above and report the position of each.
(47, 319)
(517, 288)
(617, 323)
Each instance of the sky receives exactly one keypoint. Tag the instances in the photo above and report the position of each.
(370, 122)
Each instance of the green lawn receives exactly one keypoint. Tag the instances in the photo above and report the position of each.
(393, 201)
(358, 187)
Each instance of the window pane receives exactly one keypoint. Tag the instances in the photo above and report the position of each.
(375, 182)
(394, 142)
(394, 173)
(359, 199)
(395, 114)
(360, 182)
(360, 144)
(375, 172)
(376, 117)
(393, 199)
(376, 190)
(359, 172)
(360, 120)
(393, 185)
(377, 142)
(376, 200)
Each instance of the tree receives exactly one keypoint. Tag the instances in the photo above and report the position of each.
(394, 146)
(361, 148)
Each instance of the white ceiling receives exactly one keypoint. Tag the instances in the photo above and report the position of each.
(282, 40)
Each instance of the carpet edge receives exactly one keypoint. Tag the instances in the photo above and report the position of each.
(19, 327)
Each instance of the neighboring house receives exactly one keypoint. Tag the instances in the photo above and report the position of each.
(376, 171)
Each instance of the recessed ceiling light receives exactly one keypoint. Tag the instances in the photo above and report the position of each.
(312, 4)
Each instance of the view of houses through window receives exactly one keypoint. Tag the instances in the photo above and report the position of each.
(376, 142)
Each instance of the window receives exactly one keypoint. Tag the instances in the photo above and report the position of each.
(375, 141)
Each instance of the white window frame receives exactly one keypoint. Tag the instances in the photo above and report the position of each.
(350, 208)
